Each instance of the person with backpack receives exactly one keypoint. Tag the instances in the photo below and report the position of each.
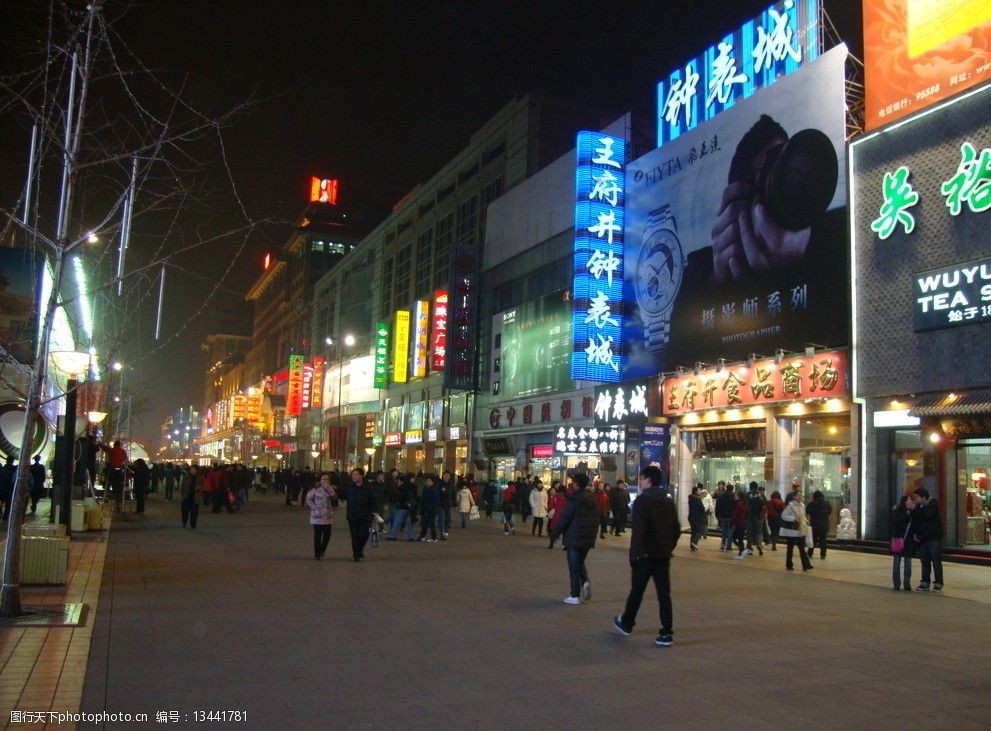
(508, 500)
(655, 533)
(725, 502)
(756, 504)
(579, 525)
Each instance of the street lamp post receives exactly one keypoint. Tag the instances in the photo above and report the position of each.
(349, 342)
(370, 451)
(74, 364)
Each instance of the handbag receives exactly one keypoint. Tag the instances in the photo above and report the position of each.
(473, 513)
(789, 524)
(897, 545)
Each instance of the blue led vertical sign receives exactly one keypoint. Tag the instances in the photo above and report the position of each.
(597, 285)
(762, 50)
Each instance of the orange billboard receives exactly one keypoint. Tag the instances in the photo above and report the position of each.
(323, 190)
(918, 52)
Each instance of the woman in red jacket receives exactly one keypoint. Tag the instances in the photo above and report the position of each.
(601, 495)
(740, 514)
(774, 507)
(555, 504)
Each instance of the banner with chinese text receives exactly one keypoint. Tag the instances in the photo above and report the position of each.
(796, 377)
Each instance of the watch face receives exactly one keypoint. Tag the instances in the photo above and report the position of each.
(659, 270)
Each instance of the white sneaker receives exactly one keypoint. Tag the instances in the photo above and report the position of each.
(739, 557)
(586, 591)
(446, 535)
(572, 600)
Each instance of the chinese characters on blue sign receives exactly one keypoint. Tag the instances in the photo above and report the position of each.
(597, 290)
(775, 44)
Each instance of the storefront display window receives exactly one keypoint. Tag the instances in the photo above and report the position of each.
(822, 461)
(974, 508)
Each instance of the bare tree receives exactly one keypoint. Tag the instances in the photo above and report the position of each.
(131, 154)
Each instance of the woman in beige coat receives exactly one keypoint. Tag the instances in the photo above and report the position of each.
(794, 525)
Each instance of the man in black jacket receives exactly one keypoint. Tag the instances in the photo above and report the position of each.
(927, 528)
(579, 524)
(655, 534)
(724, 514)
(361, 506)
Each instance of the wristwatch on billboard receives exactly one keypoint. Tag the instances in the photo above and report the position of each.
(660, 268)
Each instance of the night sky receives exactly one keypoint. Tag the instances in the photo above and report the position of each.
(379, 95)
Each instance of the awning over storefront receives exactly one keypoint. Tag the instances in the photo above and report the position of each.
(953, 404)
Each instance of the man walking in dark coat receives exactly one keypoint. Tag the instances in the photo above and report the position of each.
(361, 506)
(579, 524)
(655, 534)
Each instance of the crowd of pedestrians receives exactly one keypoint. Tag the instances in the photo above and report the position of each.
(419, 508)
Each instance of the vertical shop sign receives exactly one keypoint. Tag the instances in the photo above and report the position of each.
(421, 334)
(438, 336)
(597, 288)
(294, 392)
(463, 285)
(307, 390)
(382, 355)
(400, 351)
(316, 390)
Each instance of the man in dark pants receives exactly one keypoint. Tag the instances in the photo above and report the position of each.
(116, 462)
(361, 506)
(927, 529)
(579, 524)
(655, 534)
(38, 476)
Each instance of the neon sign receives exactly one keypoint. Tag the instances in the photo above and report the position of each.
(597, 285)
(438, 339)
(753, 57)
(400, 352)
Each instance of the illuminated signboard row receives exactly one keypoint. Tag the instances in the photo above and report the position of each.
(823, 375)
(597, 285)
(753, 57)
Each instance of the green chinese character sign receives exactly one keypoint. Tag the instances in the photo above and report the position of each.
(972, 182)
(382, 355)
(898, 198)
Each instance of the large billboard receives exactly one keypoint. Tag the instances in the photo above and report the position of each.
(919, 52)
(735, 237)
(920, 244)
(20, 272)
(400, 347)
(536, 347)
(761, 51)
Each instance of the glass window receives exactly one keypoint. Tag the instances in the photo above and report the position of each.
(403, 276)
(424, 259)
(974, 507)
(442, 249)
(388, 287)
(468, 221)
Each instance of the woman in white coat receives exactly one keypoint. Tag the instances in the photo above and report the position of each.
(794, 525)
(465, 503)
(538, 507)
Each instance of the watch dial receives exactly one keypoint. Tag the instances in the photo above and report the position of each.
(659, 270)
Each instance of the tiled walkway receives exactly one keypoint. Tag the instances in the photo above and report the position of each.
(43, 669)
